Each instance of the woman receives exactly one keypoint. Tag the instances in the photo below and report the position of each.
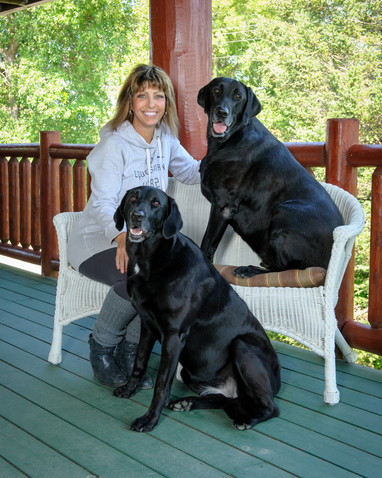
(137, 147)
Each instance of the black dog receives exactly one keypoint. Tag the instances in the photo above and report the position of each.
(199, 319)
(255, 184)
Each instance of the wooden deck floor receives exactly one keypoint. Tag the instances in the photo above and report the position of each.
(57, 421)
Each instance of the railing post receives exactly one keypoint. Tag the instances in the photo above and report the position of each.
(4, 200)
(375, 296)
(50, 201)
(36, 204)
(14, 200)
(79, 189)
(341, 134)
(25, 202)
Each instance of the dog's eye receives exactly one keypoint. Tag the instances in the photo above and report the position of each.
(155, 203)
(216, 91)
(133, 199)
(238, 96)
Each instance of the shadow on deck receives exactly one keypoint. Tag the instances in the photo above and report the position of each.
(57, 421)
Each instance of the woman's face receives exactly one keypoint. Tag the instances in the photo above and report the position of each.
(149, 106)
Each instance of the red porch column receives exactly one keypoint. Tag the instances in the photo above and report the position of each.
(181, 37)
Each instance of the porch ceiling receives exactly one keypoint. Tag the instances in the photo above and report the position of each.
(11, 6)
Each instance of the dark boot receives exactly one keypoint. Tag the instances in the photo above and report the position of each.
(104, 365)
(125, 357)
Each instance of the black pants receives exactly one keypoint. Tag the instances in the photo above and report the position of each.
(101, 267)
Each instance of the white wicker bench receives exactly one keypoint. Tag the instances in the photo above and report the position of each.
(304, 314)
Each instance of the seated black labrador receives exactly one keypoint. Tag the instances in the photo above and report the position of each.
(198, 318)
(255, 184)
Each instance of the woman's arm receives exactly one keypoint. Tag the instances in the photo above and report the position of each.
(106, 165)
(121, 258)
(182, 165)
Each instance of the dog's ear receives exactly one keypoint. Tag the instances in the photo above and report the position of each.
(173, 222)
(253, 106)
(203, 97)
(119, 218)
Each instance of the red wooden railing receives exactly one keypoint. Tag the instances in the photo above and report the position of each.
(38, 180)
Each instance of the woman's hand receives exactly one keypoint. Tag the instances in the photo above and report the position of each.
(121, 258)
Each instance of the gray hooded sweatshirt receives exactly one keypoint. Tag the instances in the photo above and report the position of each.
(120, 161)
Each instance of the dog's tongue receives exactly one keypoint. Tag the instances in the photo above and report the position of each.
(136, 231)
(219, 127)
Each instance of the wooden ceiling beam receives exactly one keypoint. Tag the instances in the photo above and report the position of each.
(11, 6)
(14, 2)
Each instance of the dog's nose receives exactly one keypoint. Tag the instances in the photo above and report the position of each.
(137, 215)
(222, 111)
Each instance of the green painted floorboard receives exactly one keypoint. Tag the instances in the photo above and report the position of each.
(58, 421)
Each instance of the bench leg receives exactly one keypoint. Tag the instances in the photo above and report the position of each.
(331, 393)
(55, 348)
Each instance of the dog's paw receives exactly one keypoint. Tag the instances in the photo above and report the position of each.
(241, 426)
(245, 272)
(125, 391)
(181, 405)
(143, 424)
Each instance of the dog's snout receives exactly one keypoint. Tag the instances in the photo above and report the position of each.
(222, 111)
(137, 215)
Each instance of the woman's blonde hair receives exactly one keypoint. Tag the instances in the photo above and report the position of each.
(156, 78)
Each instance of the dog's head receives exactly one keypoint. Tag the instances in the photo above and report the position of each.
(229, 105)
(148, 212)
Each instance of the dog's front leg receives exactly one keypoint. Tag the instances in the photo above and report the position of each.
(171, 348)
(145, 347)
(214, 232)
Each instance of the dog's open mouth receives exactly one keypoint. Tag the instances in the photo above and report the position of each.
(137, 235)
(219, 128)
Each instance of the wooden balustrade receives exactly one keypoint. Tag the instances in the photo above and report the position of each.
(20, 223)
(38, 181)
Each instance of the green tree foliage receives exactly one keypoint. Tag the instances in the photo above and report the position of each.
(62, 65)
(307, 61)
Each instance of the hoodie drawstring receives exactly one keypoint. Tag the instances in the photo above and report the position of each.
(148, 164)
(148, 160)
(163, 184)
